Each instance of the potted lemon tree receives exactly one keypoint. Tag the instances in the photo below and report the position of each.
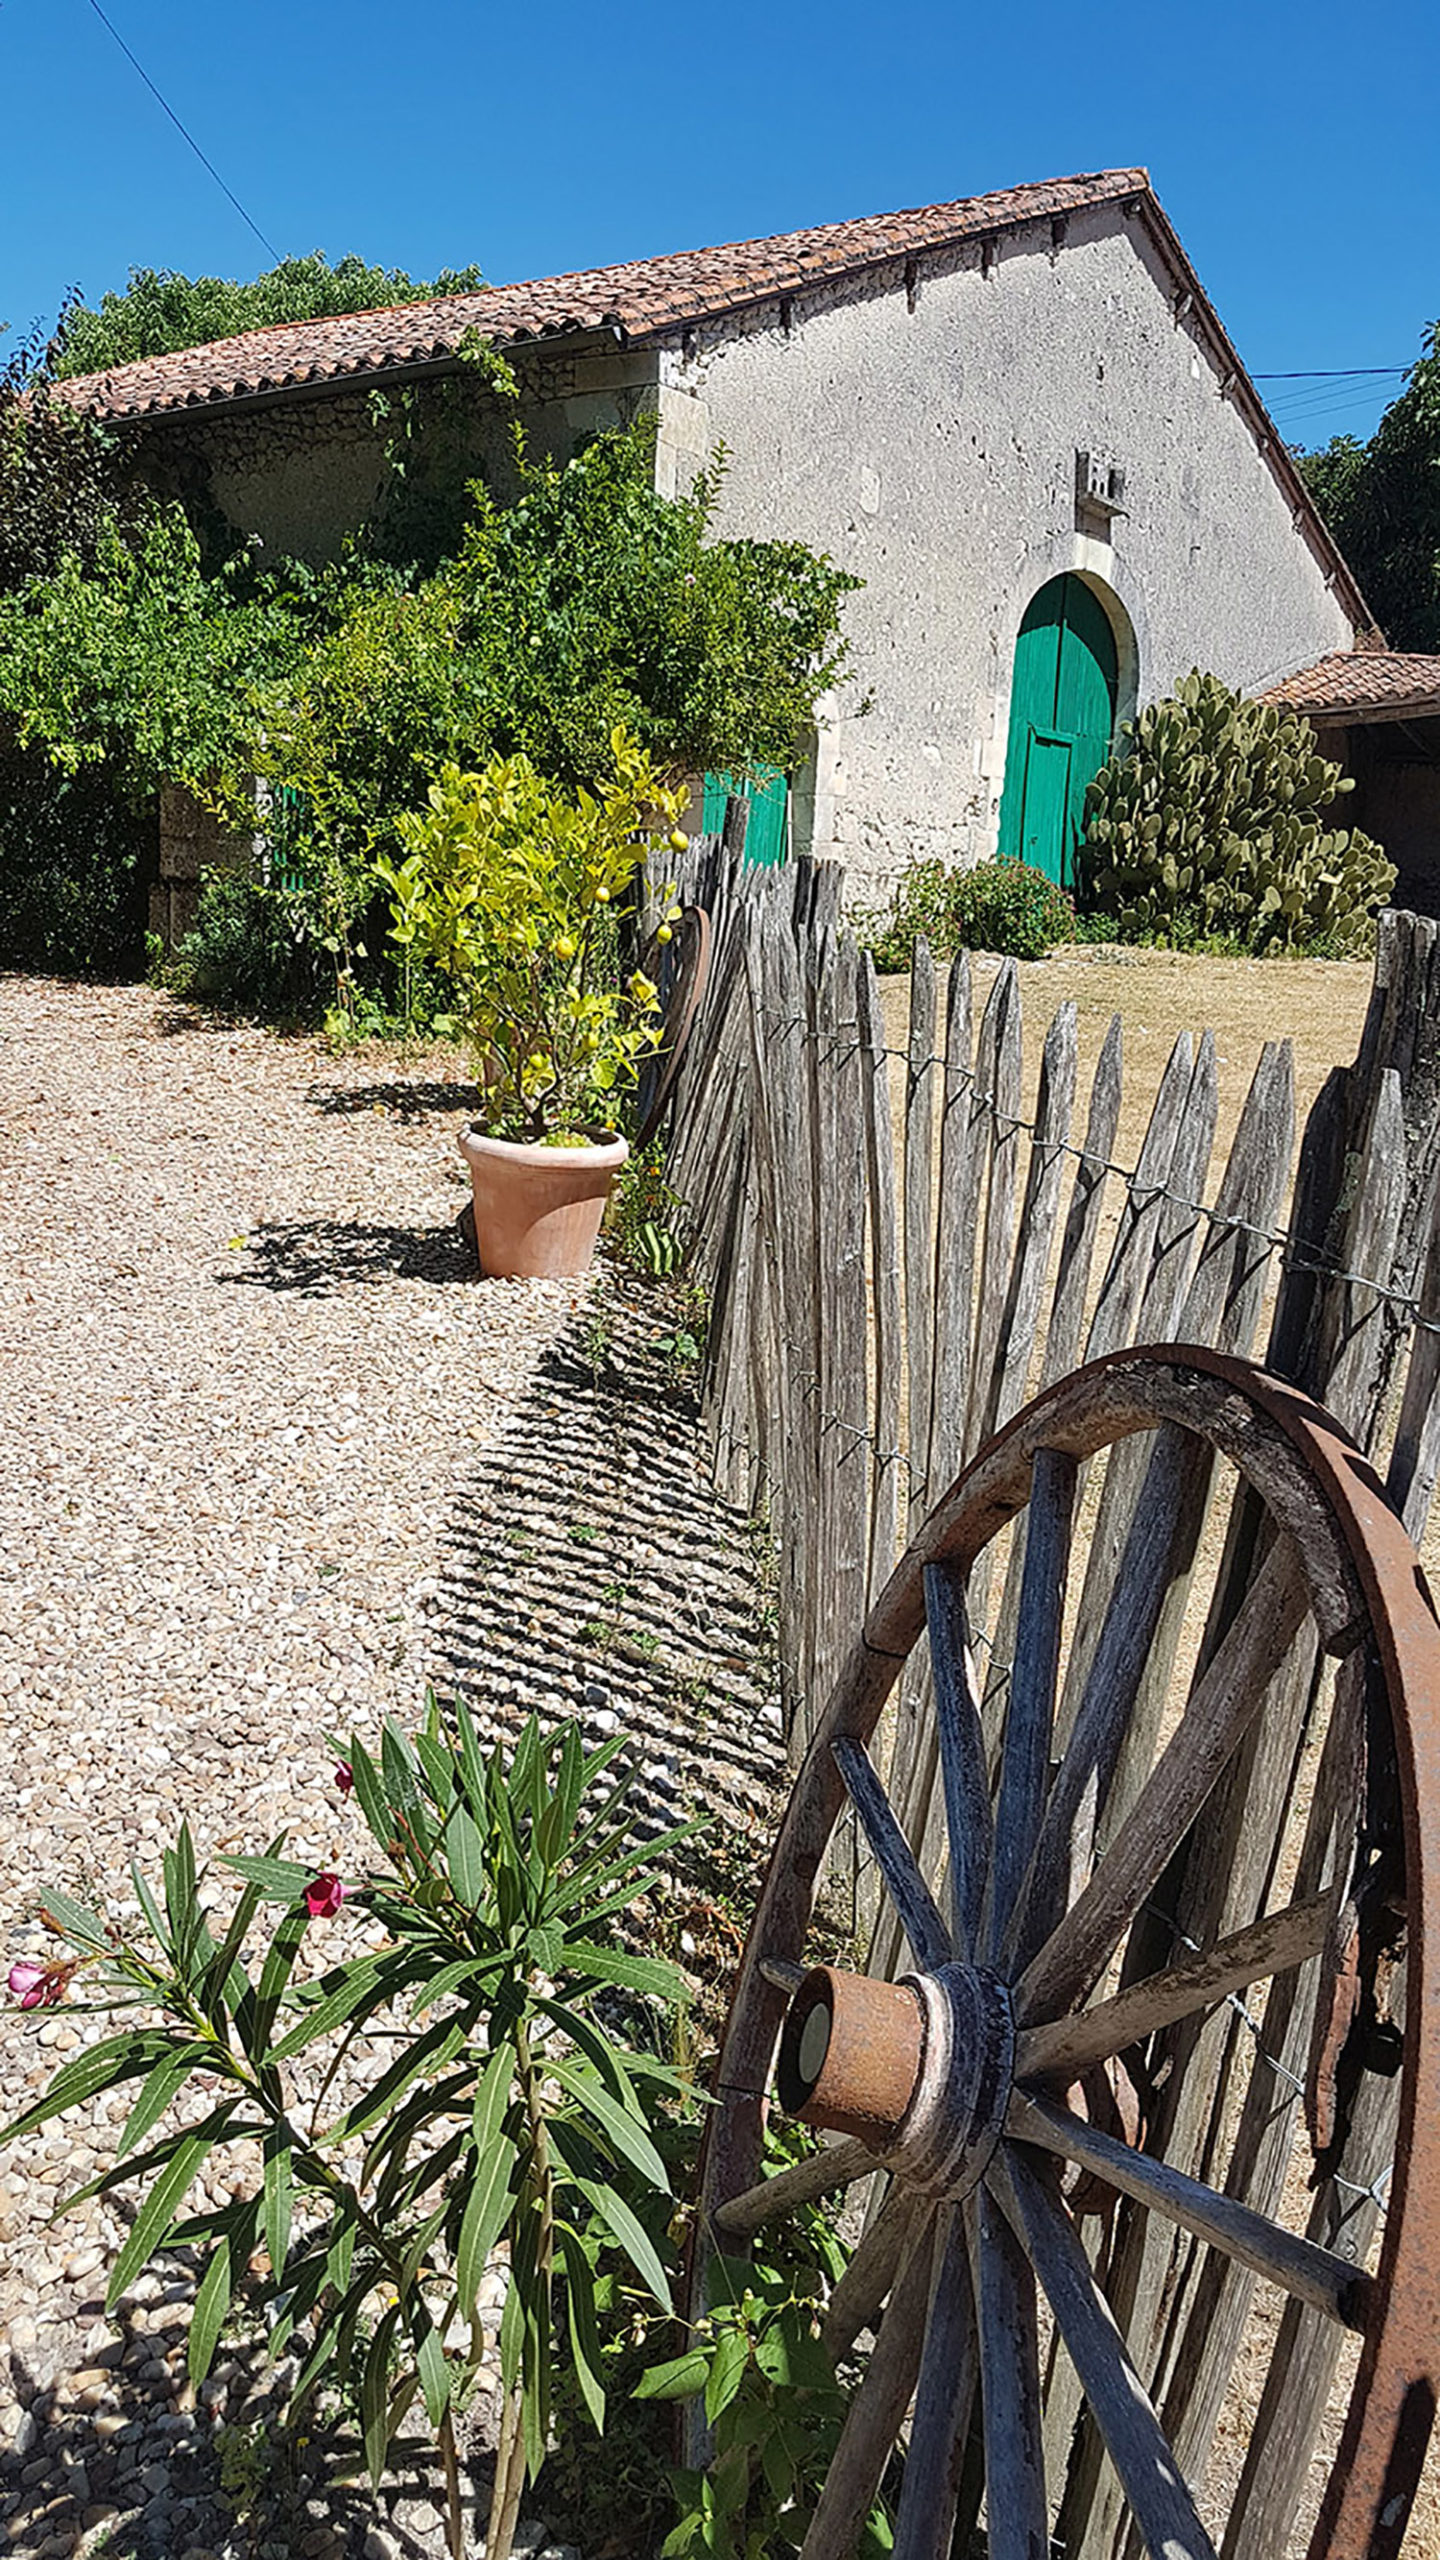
(513, 888)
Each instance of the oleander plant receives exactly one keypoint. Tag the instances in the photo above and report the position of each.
(490, 2106)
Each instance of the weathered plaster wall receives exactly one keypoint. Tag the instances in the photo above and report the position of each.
(302, 473)
(927, 439)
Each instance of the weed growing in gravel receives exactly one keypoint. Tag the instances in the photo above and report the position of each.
(505, 2112)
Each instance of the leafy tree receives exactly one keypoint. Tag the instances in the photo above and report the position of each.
(1382, 502)
(59, 484)
(161, 311)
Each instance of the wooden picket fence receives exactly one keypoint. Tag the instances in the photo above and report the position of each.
(877, 1312)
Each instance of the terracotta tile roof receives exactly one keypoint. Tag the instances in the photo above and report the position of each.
(1373, 684)
(644, 300)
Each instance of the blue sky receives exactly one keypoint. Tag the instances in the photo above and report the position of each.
(1295, 148)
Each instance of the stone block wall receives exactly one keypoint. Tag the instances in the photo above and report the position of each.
(192, 841)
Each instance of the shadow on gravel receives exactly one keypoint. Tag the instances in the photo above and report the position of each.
(315, 1255)
(144, 2479)
(403, 1101)
(593, 1571)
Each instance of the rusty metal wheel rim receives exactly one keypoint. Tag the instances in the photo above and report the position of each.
(686, 961)
(1359, 1560)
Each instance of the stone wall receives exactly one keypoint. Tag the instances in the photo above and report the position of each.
(192, 841)
(926, 435)
(302, 473)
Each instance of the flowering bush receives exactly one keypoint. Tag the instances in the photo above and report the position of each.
(502, 2110)
(511, 887)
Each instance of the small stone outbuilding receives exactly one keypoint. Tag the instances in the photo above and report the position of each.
(1377, 713)
(1016, 417)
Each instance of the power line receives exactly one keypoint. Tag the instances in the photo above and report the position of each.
(1335, 373)
(185, 132)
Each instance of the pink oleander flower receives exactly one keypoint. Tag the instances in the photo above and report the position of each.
(37, 1986)
(344, 1777)
(324, 1895)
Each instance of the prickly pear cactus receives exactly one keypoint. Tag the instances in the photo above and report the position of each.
(1210, 819)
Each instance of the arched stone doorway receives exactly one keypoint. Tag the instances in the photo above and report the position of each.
(1063, 703)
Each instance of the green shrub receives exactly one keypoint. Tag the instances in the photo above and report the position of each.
(1005, 906)
(74, 869)
(1208, 826)
(509, 889)
(243, 952)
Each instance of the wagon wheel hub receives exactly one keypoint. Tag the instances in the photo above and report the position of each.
(921, 2069)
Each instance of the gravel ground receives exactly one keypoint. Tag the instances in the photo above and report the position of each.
(272, 1459)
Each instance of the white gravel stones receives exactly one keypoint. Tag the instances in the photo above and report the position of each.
(247, 1368)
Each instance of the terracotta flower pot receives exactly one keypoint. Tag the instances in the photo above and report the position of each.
(538, 1209)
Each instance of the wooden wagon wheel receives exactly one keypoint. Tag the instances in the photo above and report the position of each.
(681, 969)
(988, 2081)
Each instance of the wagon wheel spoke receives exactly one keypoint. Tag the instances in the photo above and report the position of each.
(1163, 2509)
(1066, 2048)
(914, 1903)
(837, 2165)
(1223, 1705)
(943, 2399)
(1029, 1722)
(1017, 2518)
(898, 2228)
(1314, 2275)
(875, 2415)
(1082, 1781)
(962, 1752)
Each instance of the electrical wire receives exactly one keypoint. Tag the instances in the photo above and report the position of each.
(185, 133)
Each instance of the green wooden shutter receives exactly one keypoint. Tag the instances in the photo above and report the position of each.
(1062, 717)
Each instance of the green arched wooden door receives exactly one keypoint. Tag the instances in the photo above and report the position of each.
(1062, 720)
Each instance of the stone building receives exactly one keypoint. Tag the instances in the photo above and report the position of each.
(1377, 713)
(1017, 418)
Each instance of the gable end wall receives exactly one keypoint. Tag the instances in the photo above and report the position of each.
(926, 438)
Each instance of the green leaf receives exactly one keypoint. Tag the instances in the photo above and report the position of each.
(512, 2336)
(680, 2379)
(375, 2395)
(274, 1879)
(727, 2372)
(580, 2321)
(626, 2132)
(351, 1989)
(429, 2052)
(255, 2018)
(631, 1973)
(100, 2066)
(558, 1819)
(276, 2195)
(596, 2048)
(217, 1987)
(158, 2090)
(151, 1909)
(454, 1977)
(626, 2227)
(527, 1770)
(488, 2205)
(430, 2364)
(82, 1927)
(465, 1857)
(400, 1776)
(155, 2216)
(472, 1761)
(212, 2302)
(371, 1796)
(439, 1769)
